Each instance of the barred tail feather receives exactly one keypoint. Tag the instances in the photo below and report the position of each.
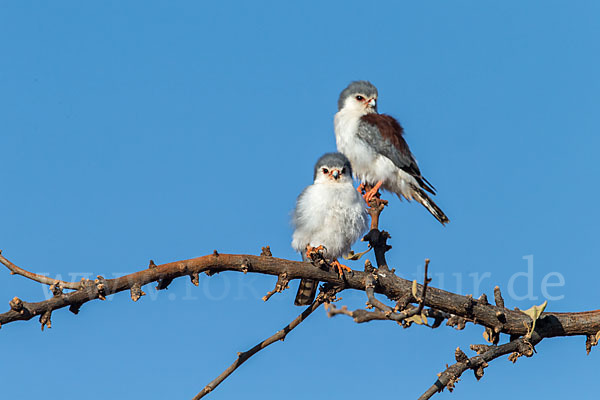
(306, 292)
(429, 204)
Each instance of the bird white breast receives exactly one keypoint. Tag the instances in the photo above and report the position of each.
(367, 165)
(329, 214)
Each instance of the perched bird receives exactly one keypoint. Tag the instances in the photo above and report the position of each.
(329, 217)
(379, 154)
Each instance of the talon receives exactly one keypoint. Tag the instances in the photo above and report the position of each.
(360, 188)
(372, 193)
(312, 251)
(340, 268)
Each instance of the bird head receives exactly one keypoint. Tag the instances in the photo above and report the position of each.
(360, 97)
(333, 168)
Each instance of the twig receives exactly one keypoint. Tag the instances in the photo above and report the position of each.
(14, 270)
(361, 316)
(280, 286)
(388, 311)
(451, 375)
(242, 357)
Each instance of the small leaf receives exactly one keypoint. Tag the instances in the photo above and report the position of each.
(535, 311)
(486, 335)
(416, 319)
(414, 289)
(355, 256)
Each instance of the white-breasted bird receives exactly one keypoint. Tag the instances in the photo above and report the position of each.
(379, 154)
(330, 216)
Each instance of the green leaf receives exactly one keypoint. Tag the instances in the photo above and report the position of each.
(416, 319)
(534, 313)
(414, 289)
(355, 256)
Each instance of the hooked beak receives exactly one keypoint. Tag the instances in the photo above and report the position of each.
(335, 173)
(372, 103)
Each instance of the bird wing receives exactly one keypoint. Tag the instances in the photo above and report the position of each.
(308, 213)
(384, 134)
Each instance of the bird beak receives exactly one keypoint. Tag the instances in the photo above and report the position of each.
(335, 174)
(372, 103)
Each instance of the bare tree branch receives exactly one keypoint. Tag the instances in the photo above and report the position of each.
(389, 284)
(449, 377)
(280, 335)
(410, 298)
(14, 270)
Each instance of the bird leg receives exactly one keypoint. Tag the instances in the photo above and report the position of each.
(373, 192)
(340, 268)
(311, 252)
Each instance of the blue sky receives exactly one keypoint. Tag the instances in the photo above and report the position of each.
(163, 130)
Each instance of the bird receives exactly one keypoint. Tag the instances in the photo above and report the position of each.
(376, 148)
(329, 217)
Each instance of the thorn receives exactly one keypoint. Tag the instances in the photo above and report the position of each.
(100, 282)
(151, 265)
(590, 342)
(266, 251)
(16, 304)
(215, 253)
(479, 371)
(45, 319)
(483, 299)
(195, 278)
(136, 292)
(74, 308)
(479, 348)
(498, 297)
(164, 283)
(460, 356)
(514, 357)
(245, 266)
(56, 289)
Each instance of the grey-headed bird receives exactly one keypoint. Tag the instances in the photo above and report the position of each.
(330, 216)
(379, 154)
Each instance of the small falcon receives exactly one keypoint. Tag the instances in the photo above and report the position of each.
(379, 154)
(329, 217)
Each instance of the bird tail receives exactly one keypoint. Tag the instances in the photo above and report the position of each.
(429, 204)
(306, 292)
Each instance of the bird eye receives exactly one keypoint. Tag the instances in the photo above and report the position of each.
(325, 171)
(359, 98)
(343, 170)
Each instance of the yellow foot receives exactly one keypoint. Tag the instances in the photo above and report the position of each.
(340, 268)
(312, 251)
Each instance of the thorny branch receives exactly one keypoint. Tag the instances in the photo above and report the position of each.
(448, 378)
(410, 297)
(324, 296)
